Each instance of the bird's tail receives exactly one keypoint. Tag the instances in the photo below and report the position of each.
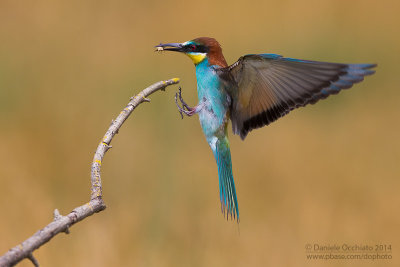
(227, 191)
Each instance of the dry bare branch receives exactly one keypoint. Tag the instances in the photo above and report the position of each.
(96, 203)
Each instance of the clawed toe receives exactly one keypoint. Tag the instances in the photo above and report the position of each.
(185, 109)
(183, 101)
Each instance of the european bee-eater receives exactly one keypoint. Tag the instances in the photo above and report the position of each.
(252, 92)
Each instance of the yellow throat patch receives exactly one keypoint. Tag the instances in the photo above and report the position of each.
(197, 57)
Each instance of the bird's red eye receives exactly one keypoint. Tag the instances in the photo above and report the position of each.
(192, 47)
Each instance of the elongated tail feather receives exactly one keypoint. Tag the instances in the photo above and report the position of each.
(229, 203)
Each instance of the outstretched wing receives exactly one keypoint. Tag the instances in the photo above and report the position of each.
(268, 86)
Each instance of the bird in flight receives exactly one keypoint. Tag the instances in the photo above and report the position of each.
(253, 92)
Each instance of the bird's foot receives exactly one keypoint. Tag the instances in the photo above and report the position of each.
(185, 109)
(183, 101)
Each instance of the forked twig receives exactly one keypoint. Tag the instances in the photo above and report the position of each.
(96, 203)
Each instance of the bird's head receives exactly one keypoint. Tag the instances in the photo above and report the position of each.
(198, 49)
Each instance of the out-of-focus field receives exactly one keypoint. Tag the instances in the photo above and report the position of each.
(325, 174)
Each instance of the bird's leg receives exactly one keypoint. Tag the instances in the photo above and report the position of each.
(185, 109)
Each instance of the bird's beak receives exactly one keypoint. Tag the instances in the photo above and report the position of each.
(169, 47)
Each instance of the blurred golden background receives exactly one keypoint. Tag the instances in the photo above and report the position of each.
(326, 174)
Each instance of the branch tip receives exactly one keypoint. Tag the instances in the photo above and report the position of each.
(106, 145)
(57, 215)
(33, 260)
(66, 231)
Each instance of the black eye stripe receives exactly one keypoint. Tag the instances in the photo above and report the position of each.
(196, 48)
(202, 49)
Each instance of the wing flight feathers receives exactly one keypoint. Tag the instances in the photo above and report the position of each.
(268, 86)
